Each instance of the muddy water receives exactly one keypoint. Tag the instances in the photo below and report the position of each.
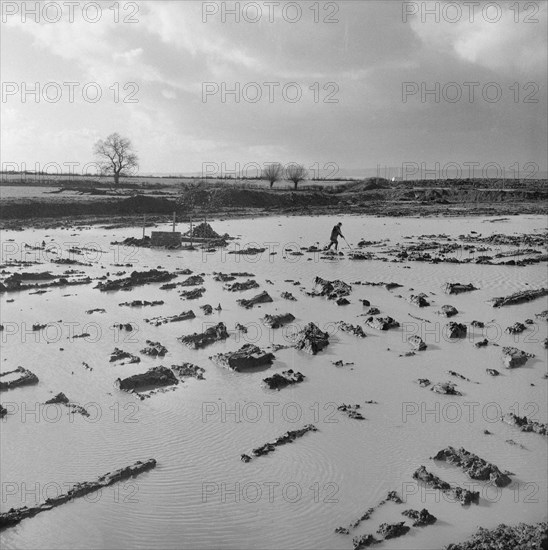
(201, 495)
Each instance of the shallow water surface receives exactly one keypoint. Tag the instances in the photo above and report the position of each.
(201, 495)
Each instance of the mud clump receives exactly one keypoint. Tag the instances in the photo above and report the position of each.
(353, 329)
(522, 536)
(449, 311)
(207, 309)
(154, 377)
(542, 315)
(119, 354)
(364, 541)
(189, 370)
(193, 280)
(524, 424)
(492, 372)
(456, 330)
(142, 303)
(332, 289)
(206, 338)
(262, 298)
(241, 328)
(459, 375)
(287, 378)
(226, 277)
(393, 530)
(17, 286)
(341, 363)
(137, 278)
(154, 349)
(417, 343)
(474, 466)
(184, 316)
(446, 388)
(382, 323)
(457, 288)
(62, 399)
(278, 321)
(482, 344)
(288, 296)
(25, 378)
(519, 297)
(351, 411)
(124, 326)
(514, 357)
(193, 294)
(422, 518)
(240, 287)
(3, 411)
(14, 281)
(419, 300)
(251, 251)
(464, 496)
(516, 328)
(287, 437)
(357, 255)
(392, 496)
(247, 357)
(16, 515)
(311, 339)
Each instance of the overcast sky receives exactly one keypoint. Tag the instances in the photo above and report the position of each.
(363, 59)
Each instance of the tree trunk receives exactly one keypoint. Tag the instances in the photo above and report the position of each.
(296, 183)
(116, 178)
(271, 184)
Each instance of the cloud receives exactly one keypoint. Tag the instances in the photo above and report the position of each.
(504, 46)
(169, 94)
(170, 53)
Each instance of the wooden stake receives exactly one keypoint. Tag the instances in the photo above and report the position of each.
(191, 229)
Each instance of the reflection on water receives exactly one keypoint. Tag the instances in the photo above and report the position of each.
(201, 495)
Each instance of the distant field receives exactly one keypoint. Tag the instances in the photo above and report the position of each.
(171, 185)
(18, 188)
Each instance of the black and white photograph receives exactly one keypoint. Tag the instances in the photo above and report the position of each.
(273, 275)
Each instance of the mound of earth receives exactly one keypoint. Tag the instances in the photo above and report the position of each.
(248, 356)
(522, 536)
(474, 466)
(458, 494)
(311, 339)
(25, 378)
(203, 339)
(153, 378)
(203, 231)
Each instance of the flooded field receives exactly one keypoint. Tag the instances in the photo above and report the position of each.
(201, 494)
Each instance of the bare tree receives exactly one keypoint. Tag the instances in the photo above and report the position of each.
(296, 173)
(115, 156)
(273, 173)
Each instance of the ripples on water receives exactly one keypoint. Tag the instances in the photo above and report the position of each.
(191, 499)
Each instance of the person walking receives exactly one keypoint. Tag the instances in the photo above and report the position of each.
(335, 234)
